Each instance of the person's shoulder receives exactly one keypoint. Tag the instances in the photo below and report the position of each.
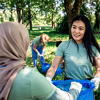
(93, 48)
(66, 42)
(38, 37)
(95, 51)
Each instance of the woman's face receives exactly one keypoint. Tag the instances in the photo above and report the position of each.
(78, 30)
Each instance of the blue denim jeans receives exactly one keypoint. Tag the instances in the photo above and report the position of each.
(34, 55)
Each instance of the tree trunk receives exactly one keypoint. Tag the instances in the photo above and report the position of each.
(97, 18)
(53, 23)
(18, 13)
(72, 10)
(30, 19)
(22, 16)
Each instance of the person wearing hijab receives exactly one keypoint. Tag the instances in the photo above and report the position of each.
(19, 82)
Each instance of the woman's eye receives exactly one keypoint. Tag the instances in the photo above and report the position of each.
(74, 27)
(81, 29)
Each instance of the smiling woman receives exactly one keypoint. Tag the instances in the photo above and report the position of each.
(78, 31)
(79, 53)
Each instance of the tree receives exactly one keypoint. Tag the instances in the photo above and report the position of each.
(49, 7)
(15, 5)
(96, 4)
(86, 10)
(72, 9)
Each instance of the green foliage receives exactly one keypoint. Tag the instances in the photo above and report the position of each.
(97, 94)
(96, 30)
(88, 12)
(1, 19)
(11, 18)
(84, 9)
(62, 25)
(96, 4)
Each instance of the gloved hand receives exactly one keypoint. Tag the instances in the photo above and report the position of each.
(96, 81)
(76, 85)
(39, 54)
(49, 79)
(43, 52)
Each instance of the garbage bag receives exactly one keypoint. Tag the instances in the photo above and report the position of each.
(86, 91)
(46, 66)
(59, 71)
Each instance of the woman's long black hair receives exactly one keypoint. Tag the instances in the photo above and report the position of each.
(89, 38)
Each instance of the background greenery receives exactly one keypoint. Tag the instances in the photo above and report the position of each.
(50, 12)
(51, 49)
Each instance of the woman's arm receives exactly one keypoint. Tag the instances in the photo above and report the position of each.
(96, 78)
(44, 46)
(97, 66)
(51, 72)
(34, 48)
(72, 94)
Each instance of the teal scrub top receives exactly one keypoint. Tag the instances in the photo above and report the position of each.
(37, 41)
(77, 62)
(29, 84)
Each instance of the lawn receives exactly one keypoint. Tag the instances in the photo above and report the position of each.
(51, 48)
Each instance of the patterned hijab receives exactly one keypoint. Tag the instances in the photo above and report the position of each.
(14, 44)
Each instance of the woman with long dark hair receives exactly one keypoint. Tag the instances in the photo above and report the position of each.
(79, 53)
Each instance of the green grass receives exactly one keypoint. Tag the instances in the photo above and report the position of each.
(98, 38)
(51, 49)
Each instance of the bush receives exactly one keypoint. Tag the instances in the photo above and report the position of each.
(96, 30)
(62, 26)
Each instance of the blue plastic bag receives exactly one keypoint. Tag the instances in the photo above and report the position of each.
(46, 66)
(86, 91)
(59, 71)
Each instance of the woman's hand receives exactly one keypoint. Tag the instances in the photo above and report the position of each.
(39, 54)
(96, 81)
(76, 85)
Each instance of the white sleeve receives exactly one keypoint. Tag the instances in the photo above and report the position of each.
(62, 95)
